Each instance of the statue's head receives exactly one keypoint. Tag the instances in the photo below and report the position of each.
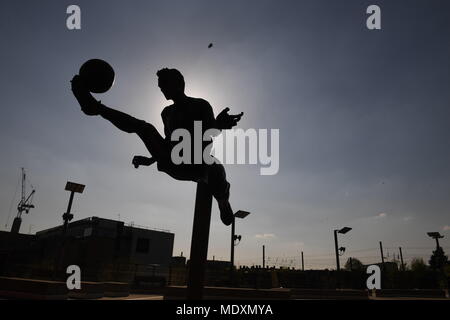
(171, 82)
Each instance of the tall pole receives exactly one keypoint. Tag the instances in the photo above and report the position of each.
(23, 186)
(232, 241)
(232, 250)
(20, 207)
(437, 243)
(199, 242)
(401, 259)
(264, 256)
(303, 263)
(382, 255)
(338, 267)
(66, 216)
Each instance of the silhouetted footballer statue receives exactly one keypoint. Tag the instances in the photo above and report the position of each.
(181, 114)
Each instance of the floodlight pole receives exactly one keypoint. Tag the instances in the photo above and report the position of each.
(199, 242)
(67, 215)
(382, 255)
(239, 214)
(264, 257)
(401, 259)
(303, 263)
(435, 236)
(72, 187)
(233, 230)
(233, 226)
(338, 267)
(437, 243)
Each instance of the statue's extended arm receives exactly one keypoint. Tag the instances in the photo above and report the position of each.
(223, 120)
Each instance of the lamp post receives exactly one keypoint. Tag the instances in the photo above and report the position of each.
(303, 263)
(58, 272)
(436, 236)
(337, 249)
(241, 215)
(401, 258)
(72, 187)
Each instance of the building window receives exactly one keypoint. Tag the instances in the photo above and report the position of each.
(87, 232)
(142, 245)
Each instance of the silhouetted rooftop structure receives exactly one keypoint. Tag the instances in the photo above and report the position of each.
(104, 249)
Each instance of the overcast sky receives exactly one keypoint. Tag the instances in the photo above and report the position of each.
(363, 118)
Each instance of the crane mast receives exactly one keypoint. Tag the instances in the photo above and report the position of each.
(23, 206)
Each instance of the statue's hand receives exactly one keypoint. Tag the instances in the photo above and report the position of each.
(87, 102)
(142, 161)
(77, 85)
(227, 121)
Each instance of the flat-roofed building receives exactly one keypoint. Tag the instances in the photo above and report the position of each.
(104, 249)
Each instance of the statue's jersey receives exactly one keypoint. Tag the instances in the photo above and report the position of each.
(183, 115)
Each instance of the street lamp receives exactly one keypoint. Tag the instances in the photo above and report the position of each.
(337, 249)
(67, 216)
(72, 187)
(436, 236)
(241, 215)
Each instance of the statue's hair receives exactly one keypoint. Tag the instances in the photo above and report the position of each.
(172, 76)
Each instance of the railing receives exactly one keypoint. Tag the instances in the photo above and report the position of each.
(132, 224)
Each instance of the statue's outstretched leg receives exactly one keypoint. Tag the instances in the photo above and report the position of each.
(220, 189)
(212, 174)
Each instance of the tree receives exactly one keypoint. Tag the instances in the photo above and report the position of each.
(417, 264)
(438, 259)
(353, 264)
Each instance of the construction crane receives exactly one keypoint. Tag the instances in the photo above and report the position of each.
(23, 206)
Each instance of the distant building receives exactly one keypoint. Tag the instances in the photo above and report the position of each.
(105, 250)
(138, 245)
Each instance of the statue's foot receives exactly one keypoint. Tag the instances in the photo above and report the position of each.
(226, 213)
